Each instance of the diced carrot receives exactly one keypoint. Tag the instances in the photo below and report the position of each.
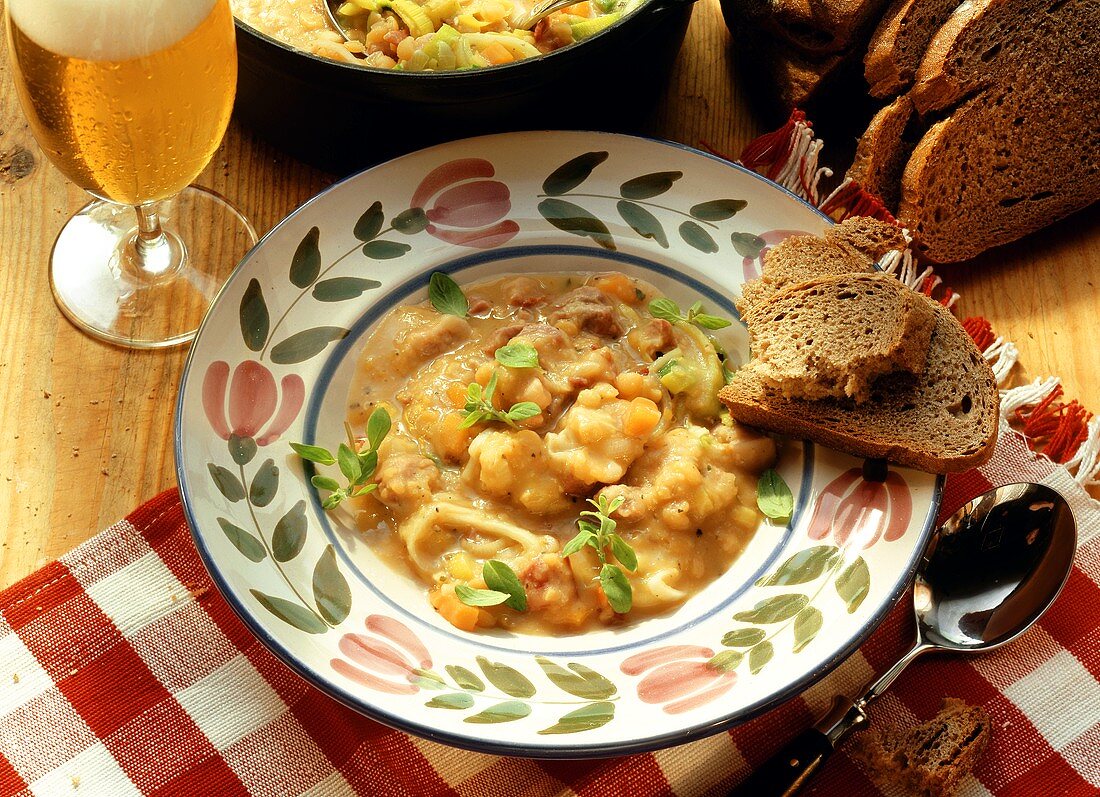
(582, 9)
(456, 612)
(497, 53)
(456, 394)
(617, 285)
(641, 418)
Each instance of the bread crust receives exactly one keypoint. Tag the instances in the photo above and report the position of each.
(881, 154)
(751, 402)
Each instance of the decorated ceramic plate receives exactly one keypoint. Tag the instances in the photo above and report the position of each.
(385, 602)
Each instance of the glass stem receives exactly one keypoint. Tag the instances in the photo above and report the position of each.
(152, 253)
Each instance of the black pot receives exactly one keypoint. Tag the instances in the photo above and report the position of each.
(342, 117)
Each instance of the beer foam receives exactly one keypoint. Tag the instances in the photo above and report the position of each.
(107, 30)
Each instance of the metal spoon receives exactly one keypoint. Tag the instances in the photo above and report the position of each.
(330, 7)
(988, 574)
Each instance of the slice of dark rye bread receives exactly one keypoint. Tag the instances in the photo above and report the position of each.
(855, 244)
(898, 44)
(943, 420)
(930, 759)
(834, 336)
(883, 151)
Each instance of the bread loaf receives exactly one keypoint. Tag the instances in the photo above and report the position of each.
(898, 44)
(834, 336)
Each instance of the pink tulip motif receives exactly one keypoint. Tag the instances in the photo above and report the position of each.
(257, 407)
(681, 677)
(464, 207)
(389, 658)
(752, 265)
(862, 505)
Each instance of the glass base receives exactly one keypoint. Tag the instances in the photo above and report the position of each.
(98, 288)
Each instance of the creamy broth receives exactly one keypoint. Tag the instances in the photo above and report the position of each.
(611, 421)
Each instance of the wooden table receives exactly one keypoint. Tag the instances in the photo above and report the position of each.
(85, 428)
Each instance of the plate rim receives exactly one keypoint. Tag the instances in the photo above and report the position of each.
(577, 751)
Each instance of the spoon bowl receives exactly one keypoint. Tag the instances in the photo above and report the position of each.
(994, 568)
(988, 573)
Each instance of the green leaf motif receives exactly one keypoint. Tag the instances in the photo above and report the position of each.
(290, 533)
(339, 289)
(291, 613)
(227, 482)
(727, 660)
(649, 185)
(853, 584)
(255, 321)
(508, 711)
(241, 449)
(759, 656)
(426, 679)
(806, 625)
(264, 484)
(574, 219)
(330, 589)
(572, 173)
(718, 209)
(743, 637)
(243, 541)
(594, 715)
(582, 682)
(370, 223)
(802, 568)
(454, 700)
(642, 222)
(305, 344)
(747, 244)
(411, 221)
(306, 263)
(698, 238)
(385, 250)
(774, 609)
(504, 678)
(465, 679)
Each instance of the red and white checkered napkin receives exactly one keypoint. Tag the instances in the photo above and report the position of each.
(122, 672)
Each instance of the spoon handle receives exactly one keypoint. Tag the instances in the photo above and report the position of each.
(786, 772)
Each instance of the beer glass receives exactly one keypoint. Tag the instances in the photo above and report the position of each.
(129, 99)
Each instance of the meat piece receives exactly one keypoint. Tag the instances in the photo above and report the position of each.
(653, 338)
(586, 309)
(501, 337)
(525, 292)
(406, 478)
(425, 338)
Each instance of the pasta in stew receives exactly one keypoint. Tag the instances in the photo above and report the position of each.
(621, 409)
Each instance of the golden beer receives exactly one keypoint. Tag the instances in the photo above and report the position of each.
(130, 111)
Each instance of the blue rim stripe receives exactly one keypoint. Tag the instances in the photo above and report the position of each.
(559, 750)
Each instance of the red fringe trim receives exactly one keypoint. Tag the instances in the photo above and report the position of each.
(1063, 425)
(855, 200)
(980, 331)
(767, 154)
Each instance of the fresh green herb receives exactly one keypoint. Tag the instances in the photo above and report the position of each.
(517, 355)
(670, 311)
(357, 467)
(479, 406)
(446, 296)
(504, 587)
(599, 534)
(480, 597)
(501, 578)
(773, 496)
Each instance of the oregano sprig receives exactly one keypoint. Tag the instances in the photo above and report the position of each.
(504, 587)
(600, 534)
(446, 296)
(773, 496)
(670, 311)
(479, 406)
(357, 467)
(517, 355)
